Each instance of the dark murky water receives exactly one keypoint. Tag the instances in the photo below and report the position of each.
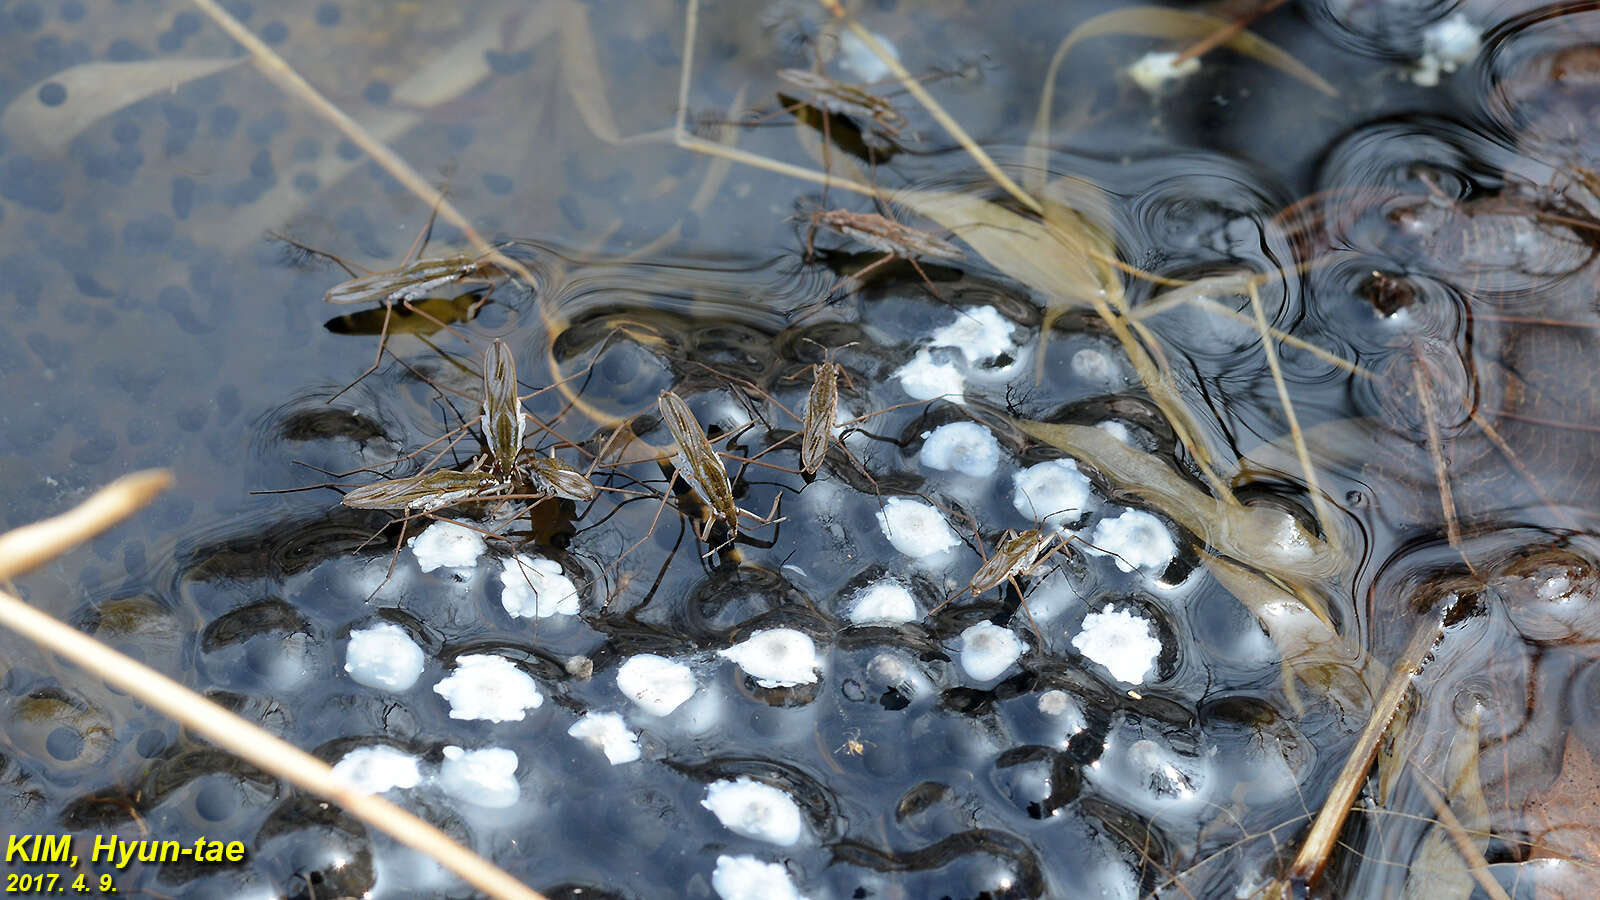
(1445, 240)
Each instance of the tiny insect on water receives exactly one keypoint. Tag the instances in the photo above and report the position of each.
(413, 280)
(894, 239)
(1018, 554)
(851, 101)
(701, 467)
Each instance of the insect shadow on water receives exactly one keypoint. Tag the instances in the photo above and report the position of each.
(408, 285)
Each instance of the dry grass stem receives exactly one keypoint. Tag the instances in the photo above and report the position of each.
(945, 120)
(26, 548)
(278, 69)
(34, 544)
(1319, 843)
(1318, 501)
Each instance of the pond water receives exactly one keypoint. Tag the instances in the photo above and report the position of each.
(1159, 707)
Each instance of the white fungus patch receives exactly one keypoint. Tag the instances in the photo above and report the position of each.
(384, 657)
(1447, 45)
(1122, 641)
(776, 657)
(979, 334)
(1153, 71)
(988, 650)
(608, 733)
(1137, 540)
(486, 777)
(654, 683)
(748, 878)
(755, 809)
(883, 602)
(924, 379)
(377, 769)
(915, 528)
(1052, 493)
(447, 545)
(485, 686)
(535, 587)
(965, 447)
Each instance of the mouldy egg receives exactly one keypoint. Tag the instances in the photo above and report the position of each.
(965, 447)
(1121, 641)
(486, 777)
(979, 334)
(754, 809)
(656, 684)
(446, 544)
(1447, 45)
(1093, 364)
(383, 656)
(776, 657)
(915, 528)
(377, 769)
(858, 59)
(1060, 705)
(1116, 429)
(924, 379)
(608, 733)
(1052, 493)
(883, 602)
(1136, 539)
(748, 878)
(534, 587)
(988, 650)
(485, 686)
(1152, 71)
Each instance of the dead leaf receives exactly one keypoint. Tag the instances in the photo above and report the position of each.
(92, 92)
(1564, 820)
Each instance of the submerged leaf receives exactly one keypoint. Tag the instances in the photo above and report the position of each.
(1268, 539)
(1052, 257)
(1334, 666)
(93, 91)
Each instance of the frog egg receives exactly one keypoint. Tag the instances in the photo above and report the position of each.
(755, 809)
(486, 777)
(489, 687)
(655, 684)
(987, 650)
(748, 878)
(377, 769)
(384, 657)
(447, 545)
(965, 447)
(915, 528)
(776, 657)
